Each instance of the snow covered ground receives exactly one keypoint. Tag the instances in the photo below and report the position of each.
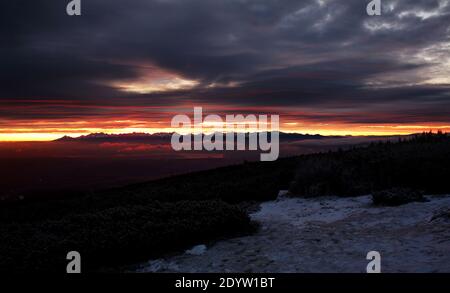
(327, 234)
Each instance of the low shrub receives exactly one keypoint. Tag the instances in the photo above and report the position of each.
(396, 196)
(420, 163)
(443, 214)
(118, 235)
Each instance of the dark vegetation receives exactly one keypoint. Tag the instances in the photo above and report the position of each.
(117, 235)
(136, 222)
(421, 163)
(397, 196)
(443, 214)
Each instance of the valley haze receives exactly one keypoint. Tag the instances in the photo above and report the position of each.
(71, 165)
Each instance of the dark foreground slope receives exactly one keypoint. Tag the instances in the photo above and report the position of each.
(133, 223)
(116, 235)
(421, 163)
(136, 222)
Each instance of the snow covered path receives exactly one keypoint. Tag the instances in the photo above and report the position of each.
(327, 235)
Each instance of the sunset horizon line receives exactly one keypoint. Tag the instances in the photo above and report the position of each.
(52, 137)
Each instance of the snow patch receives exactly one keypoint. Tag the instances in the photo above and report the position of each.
(197, 250)
(327, 234)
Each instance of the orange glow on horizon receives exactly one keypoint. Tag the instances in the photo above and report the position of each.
(42, 133)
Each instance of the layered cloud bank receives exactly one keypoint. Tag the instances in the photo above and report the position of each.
(324, 66)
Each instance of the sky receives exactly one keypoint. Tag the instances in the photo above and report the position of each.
(324, 66)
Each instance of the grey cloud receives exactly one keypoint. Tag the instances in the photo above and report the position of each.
(278, 52)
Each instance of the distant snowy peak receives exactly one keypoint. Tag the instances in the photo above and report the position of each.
(96, 137)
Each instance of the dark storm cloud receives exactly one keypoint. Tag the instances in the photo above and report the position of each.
(313, 53)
